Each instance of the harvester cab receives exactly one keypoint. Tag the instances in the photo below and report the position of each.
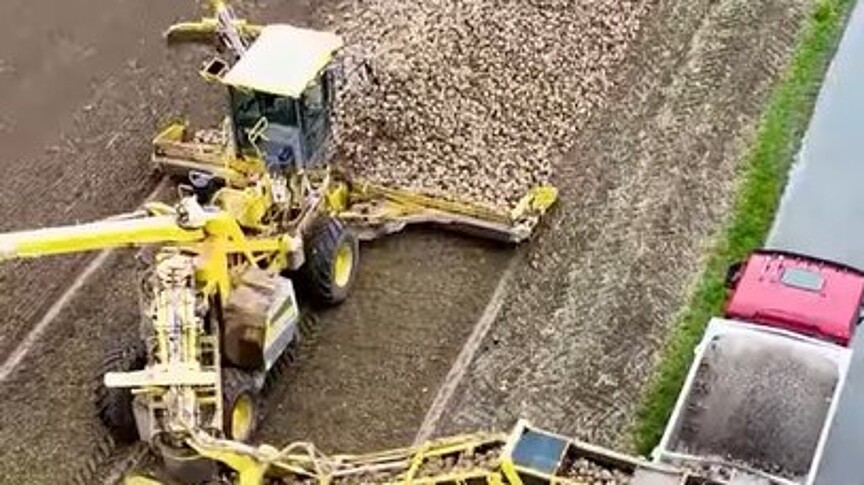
(280, 91)
(283, 83)
(281, 95)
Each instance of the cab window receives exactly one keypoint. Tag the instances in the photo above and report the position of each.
(249, 106)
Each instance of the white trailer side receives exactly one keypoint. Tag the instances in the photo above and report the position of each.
(755, 406)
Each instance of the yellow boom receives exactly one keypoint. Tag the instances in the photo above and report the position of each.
(212, 234)
(527, 455)
(95, 236)
(234, 32)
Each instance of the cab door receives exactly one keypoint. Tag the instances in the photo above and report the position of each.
(316, 118)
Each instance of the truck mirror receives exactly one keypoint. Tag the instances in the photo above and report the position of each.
(733, 274)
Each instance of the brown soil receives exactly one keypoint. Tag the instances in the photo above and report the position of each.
(82, 96)
(373, 367)
(646, 187)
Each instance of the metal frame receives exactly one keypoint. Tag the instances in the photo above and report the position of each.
(719, 326)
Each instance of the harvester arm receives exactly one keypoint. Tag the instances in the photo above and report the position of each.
(235, 33)
(302, 463)
(374, 210)
(158, 225)
(526, 455)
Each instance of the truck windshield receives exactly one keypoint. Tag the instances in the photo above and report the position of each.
(803, 279)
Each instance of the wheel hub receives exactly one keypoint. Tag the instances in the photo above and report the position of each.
(343, 265)
(242, 417)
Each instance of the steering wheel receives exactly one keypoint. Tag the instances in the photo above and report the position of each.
(257, 132)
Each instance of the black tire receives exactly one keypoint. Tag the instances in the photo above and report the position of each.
(114, 405)
(318, 277)
(238, 385)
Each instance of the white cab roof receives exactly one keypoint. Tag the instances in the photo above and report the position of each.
(283, 60)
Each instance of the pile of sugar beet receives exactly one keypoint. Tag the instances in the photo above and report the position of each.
(476, 99)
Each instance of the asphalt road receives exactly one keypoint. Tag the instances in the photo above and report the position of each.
(821, 214)
(823, 205)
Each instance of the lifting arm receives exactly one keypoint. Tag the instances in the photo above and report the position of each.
(188, 224)
(526, 455)
(374, 210)
(235, 33)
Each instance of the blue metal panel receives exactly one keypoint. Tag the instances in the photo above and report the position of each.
(539, 451)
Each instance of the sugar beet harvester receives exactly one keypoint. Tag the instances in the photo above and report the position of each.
(262, 209)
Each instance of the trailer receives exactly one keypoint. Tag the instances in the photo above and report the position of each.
(756, 405)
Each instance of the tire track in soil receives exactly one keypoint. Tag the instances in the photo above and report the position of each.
(653, 178)
(85, 155)
(371, 370)
(48, 419)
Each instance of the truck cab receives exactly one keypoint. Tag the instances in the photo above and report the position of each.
(802, 294)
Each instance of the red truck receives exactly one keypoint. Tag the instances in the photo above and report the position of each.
(765, 382)
(802, 294)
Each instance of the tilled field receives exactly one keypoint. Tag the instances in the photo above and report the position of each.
(650, 174)
(80, 96)
(646, 186)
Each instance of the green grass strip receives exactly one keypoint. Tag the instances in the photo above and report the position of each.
(759, 190)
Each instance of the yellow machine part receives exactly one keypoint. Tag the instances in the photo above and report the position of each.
(242, 417)
(343, 265)
(526, 455)
(375, 210)
(177, 155)
(208, 26)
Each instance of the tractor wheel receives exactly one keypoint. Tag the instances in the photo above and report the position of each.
(240, 406)
(115, 404)
(332, 254)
